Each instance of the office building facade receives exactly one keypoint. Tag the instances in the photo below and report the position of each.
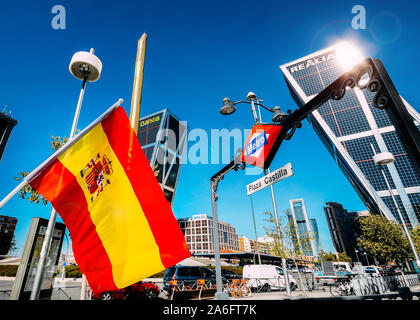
(349, 128)
(343, 228)
(304, 233)
(248, 245)
(7, 230)
(198, 232)
(163, 137)
(7, 124)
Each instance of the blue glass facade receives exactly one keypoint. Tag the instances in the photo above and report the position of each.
(350, 129)
(304, 233)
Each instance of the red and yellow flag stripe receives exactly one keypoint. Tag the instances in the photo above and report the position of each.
(125, 230)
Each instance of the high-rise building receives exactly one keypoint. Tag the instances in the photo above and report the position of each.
(7, 230)
(302, 228)
(343, 228)
(163, 138)
(349, 128)
(315, 234)
(198, 232)
(6, 125)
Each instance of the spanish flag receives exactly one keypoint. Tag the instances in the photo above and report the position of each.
(121, 225)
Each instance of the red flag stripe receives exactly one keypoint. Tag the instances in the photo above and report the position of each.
(165, 230)
(86, 242)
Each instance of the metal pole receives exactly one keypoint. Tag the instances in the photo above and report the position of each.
(367, 259)
(254, 112)
(138, 83)
(401, 218)
(255, 229)
(53, 216)
(219, 293)
(283, 260)
(357, 256)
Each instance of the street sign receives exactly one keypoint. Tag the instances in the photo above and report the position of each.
(273, 177)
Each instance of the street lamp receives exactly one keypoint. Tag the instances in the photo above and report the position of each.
(228, 108)
(383, 159)
(84, 66)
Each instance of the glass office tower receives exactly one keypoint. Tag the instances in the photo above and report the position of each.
(163, 138)
(349, 128)
(315, 233)
(303, 227)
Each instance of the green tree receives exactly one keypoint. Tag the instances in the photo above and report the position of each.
(343, 257)
(327, 256)
(415, 236)
(384, 239)
(278, 245)
(29, 193)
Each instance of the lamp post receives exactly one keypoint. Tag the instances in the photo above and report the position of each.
(84, 66)
(383, 159)
(366, 257)
(228, 108)
(255, 230)
(357, 256)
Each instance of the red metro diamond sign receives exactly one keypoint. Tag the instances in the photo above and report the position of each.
(259, 145)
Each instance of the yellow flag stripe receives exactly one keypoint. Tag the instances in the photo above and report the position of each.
(115, 211)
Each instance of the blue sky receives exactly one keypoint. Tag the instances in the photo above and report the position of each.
(197, 53)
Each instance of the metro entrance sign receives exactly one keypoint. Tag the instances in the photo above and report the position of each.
(258, 150)
(269, 179)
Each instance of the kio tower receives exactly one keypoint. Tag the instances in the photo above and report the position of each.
(163, 138)
(351, 128)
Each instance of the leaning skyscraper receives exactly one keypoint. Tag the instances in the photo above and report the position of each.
(349, 128)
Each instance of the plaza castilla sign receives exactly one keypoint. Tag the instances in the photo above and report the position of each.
(273, 177)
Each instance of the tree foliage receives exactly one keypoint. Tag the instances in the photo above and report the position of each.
(415, 236)
(288, 244)
(384, 239)
(327, 256)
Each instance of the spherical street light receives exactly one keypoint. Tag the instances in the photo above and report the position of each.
(85, 65)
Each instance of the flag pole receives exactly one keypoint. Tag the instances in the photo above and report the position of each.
(138, 83)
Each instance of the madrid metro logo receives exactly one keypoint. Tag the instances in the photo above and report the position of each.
(259, 143)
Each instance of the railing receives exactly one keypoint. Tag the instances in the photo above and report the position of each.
(385, 284)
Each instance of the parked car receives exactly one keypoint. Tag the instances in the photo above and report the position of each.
(342, 268)
(188, 275)
(373, 271)
(139, 290)
(230, 275)
(267, 276)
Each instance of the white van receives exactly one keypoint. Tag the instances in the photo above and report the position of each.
(266, 276)
(342, 268)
